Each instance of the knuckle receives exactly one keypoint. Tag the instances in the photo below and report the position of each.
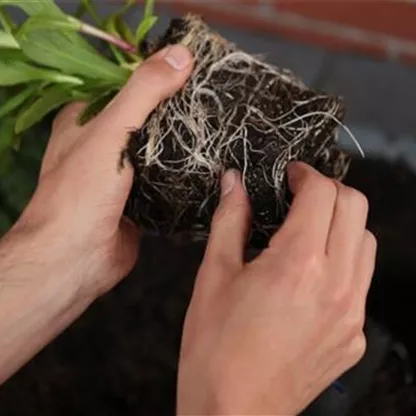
(221, 216)
(160, 76)
(68, 114)
(357, 349)
(356, 198)
(370, 239)
(230, 213)
(155, 71)
(340, 298)
(154, 80)
(354, 324)
(326, 185)
(312, 262)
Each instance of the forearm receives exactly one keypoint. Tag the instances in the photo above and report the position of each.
(38, 299)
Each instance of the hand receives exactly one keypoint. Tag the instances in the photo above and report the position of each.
(266, 338)
(82, 191)
(72, 243)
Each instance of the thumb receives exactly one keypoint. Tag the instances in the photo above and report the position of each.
(155, 80)
(230, 226)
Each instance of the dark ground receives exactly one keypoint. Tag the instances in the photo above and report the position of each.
(120, 358)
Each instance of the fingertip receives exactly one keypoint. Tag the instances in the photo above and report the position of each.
(178, 57)
(229, 181)
(157, 79)
(230, 225)
(234, 207)
(297, 173)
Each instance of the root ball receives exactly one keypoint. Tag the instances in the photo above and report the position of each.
(236, 111)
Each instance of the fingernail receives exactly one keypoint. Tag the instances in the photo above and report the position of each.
(228, 182)
(178, 57)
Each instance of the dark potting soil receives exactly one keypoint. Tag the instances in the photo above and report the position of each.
(120, 358)
(235, 112)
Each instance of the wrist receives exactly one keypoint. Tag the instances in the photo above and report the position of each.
(36, 256)
(226, 400)
(37, 301)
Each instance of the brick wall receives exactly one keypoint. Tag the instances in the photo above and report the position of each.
(383, 28)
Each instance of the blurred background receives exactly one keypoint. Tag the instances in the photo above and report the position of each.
(121, 357)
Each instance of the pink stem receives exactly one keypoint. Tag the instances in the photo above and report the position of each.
(115, 40)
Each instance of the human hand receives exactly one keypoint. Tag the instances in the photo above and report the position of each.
(82, 190)
(72, 243)
(267, 337)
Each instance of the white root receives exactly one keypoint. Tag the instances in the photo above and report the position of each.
(200, 129)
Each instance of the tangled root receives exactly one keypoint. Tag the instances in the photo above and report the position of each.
(236, 111)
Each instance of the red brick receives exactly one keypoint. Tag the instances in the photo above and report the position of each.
(392, 17)
(251, 22)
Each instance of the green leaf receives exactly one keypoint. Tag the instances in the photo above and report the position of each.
(111, 27)
(12, 55)
(7, 133)
(65, 27)
(145, 26)
(94, 86)
(128, 4)
(52, 98)
(52, 48)
(149, 9)
(149, 20)
(6, 21)
(16, 101)
(8, 41)
(125, 31)
(115, 25)
(18, 72)
(33, 7)
(64, 24)
(95, 106)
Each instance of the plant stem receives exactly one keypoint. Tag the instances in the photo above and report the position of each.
(149, 8)
(66, 79)
(100, 34)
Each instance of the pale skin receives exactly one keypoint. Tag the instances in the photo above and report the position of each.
(260, 338)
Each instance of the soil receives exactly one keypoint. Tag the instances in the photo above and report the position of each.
(121, 357)
(235, 112)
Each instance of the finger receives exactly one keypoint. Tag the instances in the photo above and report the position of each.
(65, 132)
(157, 79)
(230, 227)
(67, 119)
(312, 208)
(365, 267)
(347, 228)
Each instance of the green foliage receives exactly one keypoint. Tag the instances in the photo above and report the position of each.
(46, 62)
(60, 52)
(51, 99)
(7, 41)
(34, 7)
(13, 72)
(149, 20)
(17, 100)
